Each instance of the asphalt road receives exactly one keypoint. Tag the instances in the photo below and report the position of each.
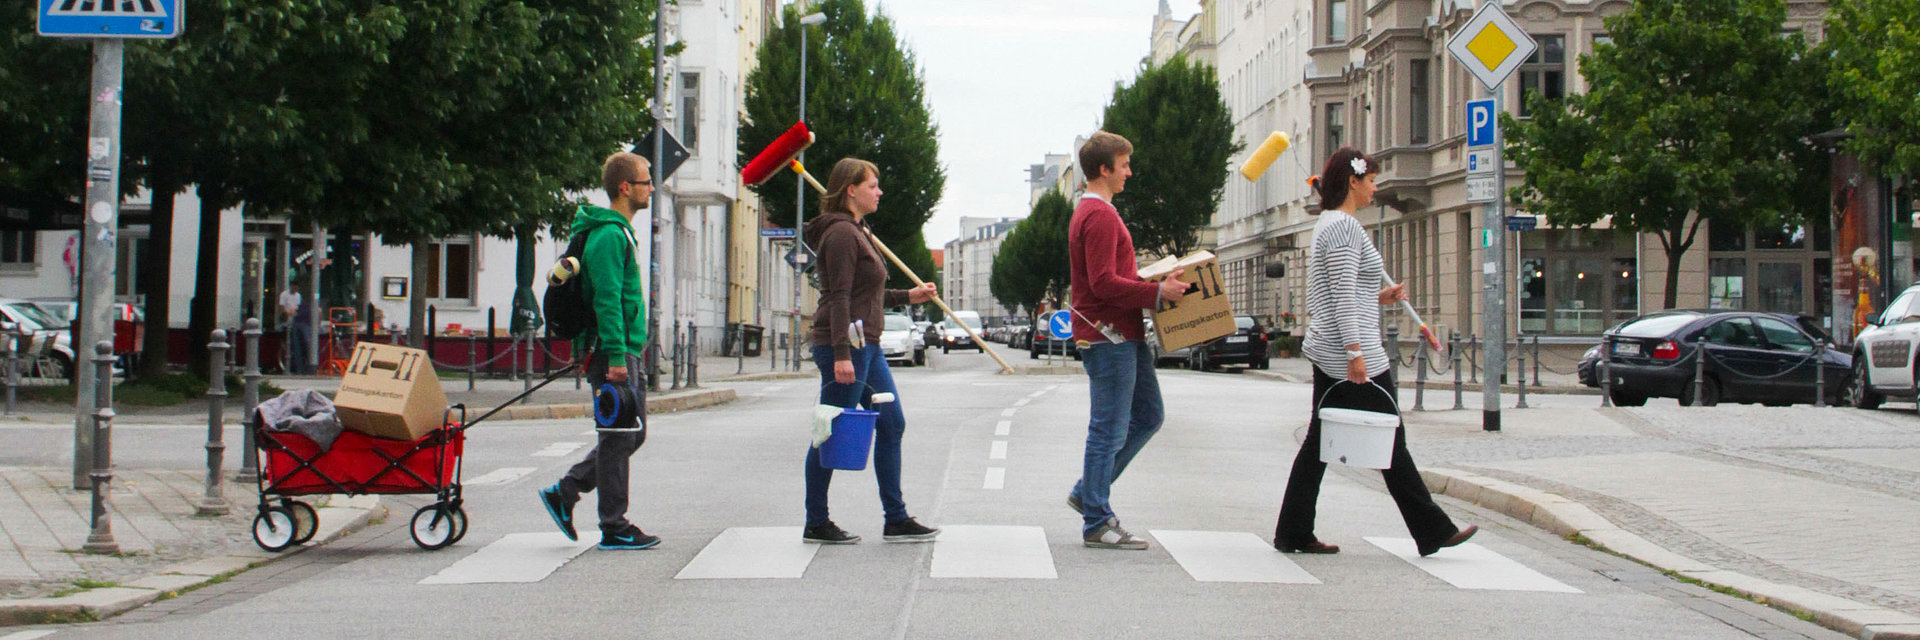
(1218, 466)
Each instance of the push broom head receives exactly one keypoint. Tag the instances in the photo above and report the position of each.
(776, 155)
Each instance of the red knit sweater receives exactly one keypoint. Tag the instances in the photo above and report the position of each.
(1106, 279)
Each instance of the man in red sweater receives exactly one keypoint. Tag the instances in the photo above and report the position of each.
(1108, 297)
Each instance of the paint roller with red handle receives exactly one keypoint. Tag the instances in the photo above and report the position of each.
(796, 139)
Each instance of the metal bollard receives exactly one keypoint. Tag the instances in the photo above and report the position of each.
(693, 356)
(12, 342)
(1520, 351)
(1393, 350)
(1453, 348)
(214, 503)
(100, 539)
(1473, 359)
(740, 347)
(528, 381)
(1699, 369)
(471, 363)
(1536, 361)
(678, 358)
(1420, 376)
(249, 455)
(1819, 373)
(1605, 372)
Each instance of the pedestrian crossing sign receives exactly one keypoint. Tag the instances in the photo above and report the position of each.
(110, 18)
(1491, 45)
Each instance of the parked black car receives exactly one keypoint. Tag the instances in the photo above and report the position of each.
(1768, 358)
(1247, 345)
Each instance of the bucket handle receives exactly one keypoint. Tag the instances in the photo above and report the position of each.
(1376, 385)
(876, 392)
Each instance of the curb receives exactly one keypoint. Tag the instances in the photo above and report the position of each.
(99, 604)
(1569, 519)
(1447, 386)
(655, 404)
(771, 375)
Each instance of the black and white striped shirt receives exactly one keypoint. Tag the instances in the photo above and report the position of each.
(1343, 296)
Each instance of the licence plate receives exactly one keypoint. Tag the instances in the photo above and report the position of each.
(1236, 339)
(1626, 348)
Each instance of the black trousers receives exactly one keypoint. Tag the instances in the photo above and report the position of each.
(606, 468)
(1429, 525)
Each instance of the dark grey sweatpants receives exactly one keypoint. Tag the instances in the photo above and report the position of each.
(605, 467)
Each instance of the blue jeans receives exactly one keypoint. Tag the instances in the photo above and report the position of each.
(1126, 413)
(298, 360)
(870, 376)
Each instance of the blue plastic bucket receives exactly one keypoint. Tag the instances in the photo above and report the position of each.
(851, 442)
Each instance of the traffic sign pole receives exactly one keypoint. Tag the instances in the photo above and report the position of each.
(1494, 313)
(98, 242)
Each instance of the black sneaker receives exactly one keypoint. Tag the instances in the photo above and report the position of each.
(909, 530)
(828, 533)
(560, 507)
(627, 538)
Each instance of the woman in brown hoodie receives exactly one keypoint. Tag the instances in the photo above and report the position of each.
(853, 287)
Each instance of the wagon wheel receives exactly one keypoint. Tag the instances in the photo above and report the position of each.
(305, 519)
(434, 526)
(274, 529)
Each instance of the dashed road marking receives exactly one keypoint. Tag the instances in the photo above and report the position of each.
(1022, 402)
(1008, 413)
(558, 449)
(517, 557)
(992, 551)
(996, 478)
(1471, 566)
(1230, 556)
(498, 476)
(1004, 428)
(751, 552)
(999, 451)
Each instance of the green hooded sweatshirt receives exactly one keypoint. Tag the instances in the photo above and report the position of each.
(613, 282)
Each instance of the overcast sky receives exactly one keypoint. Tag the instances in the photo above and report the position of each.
(1010, 81)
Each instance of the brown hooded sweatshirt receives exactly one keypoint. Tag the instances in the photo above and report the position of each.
(853, 282)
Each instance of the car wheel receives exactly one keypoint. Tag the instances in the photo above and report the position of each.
(1201, 359)
(1262, 363)
(1860, 392)
(1624, 398)
(62, 368)
(919, 357)
(1709, 394)
(946, 350)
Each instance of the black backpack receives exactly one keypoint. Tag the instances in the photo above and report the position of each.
(569, 315)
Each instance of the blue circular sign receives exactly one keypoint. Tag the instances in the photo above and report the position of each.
(1060, 324)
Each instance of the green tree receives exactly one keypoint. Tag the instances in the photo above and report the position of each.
(1032, 265)
(1875, 65)
(865, 99)
(1182, 135)
(1698, 111)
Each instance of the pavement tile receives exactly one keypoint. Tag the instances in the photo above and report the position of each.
(166, 582)
(210, 566)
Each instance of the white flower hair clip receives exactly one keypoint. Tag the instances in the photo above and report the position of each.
(1359, 166)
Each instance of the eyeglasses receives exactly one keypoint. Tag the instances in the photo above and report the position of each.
(643, 183)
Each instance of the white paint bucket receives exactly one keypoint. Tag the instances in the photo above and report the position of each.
(1357, 438)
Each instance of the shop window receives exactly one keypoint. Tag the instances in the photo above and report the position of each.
(1781, 287)
(1727, 283)
(1576, 281)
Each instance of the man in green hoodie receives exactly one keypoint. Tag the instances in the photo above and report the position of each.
(620, 314)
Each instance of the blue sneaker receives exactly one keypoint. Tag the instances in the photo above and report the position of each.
(560, 506)
(627, 538)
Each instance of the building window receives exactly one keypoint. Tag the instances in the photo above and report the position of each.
(690, 111)
(1336, 127)
(450, 269)
(1336, 21)
(1576, 281)
(1782, 269)
(1601, 39)
(1544, 72)
(1419, 123)
(18, 248)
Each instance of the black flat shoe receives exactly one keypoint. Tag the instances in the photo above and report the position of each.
(1454, 541)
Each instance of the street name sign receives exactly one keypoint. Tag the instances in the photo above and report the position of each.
(1480, 188)
(1060, 324)
(1480, 123)
(1480, 161)
(1491, 45)
(1522, 223)
(776, 233)
(110, 18)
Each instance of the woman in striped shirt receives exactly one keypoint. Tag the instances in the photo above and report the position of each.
(1344, 296)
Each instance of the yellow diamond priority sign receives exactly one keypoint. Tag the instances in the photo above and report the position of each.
(1491, 45)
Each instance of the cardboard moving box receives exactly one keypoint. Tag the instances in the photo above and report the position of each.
(1203, 314)
(390, 392)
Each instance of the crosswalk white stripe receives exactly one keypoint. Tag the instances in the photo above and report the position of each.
(29, 634)
(1471, 566)
(999, 450)
(501, 476)
(558, 449)
(1230, 556)
(992, 551)
(751, 552)
(996, 478)
(517, 557)
(1004, 428)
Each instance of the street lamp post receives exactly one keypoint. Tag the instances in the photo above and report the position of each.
(800, 196)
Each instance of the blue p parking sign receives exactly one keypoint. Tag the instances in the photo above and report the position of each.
(1480, 123)
(110, 18)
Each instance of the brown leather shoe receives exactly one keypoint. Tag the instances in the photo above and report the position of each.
(1454, 541)
(1313, 547)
